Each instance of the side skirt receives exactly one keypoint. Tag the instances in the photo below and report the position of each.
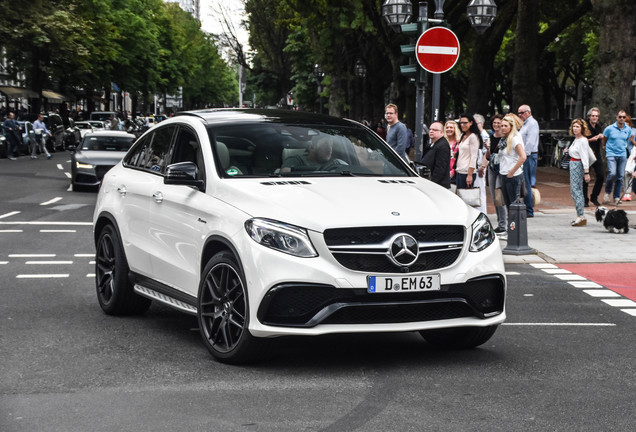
(164, 294)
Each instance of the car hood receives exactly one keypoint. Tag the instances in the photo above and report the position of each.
(322, 203)
(96, 157)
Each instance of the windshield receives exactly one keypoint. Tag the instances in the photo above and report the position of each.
(106, 143)
(283, 150)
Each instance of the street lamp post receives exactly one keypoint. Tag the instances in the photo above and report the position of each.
(481, 14)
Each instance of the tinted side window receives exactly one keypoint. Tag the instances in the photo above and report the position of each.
(156, 157)
(135, 155)
(188, 149)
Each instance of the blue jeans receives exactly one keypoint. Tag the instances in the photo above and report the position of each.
(530, 178)
(511, 188)
(615, 172)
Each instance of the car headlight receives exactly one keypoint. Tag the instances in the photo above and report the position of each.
(483, 234)
(80, 165)
(282, 237)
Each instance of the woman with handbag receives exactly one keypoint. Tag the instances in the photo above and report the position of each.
(512, 155)
(579, 152)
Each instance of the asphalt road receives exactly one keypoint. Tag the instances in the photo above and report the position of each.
(565, 360)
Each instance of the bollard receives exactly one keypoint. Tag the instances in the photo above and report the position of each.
(517, 230)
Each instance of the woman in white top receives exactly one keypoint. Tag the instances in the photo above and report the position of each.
(468, 151)
(579, 152)
(512, 155)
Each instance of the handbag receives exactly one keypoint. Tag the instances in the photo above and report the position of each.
(564, 163)
(472, 197)
(493, 164)
(499, 200)
(630, 166)
(591, 156)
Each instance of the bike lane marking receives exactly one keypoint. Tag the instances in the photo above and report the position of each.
(607, 282)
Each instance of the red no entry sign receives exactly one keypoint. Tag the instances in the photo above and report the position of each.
(437, 50)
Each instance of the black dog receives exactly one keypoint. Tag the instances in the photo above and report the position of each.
(615, 221)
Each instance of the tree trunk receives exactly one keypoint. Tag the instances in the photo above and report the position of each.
(525, 83)
(616, 60)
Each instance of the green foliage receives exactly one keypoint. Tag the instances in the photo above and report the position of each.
(144, 46)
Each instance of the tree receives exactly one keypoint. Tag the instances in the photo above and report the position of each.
(615, 59)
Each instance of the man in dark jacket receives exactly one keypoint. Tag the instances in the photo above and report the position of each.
(12, 131)
(437, 155)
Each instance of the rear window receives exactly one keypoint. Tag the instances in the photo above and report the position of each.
(107, 143)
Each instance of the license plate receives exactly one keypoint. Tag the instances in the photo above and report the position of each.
(395, 284)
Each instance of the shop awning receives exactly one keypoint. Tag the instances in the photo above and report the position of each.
(53, 96)
(17, 92)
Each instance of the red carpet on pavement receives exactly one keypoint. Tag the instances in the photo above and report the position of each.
(620, 278)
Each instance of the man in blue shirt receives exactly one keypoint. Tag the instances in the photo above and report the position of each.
(615, 141)
(530, 135)
(396, 136)
(12, 132)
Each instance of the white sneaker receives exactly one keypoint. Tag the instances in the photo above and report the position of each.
(617, 201)
(606, 198)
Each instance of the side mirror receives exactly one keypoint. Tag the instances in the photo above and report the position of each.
(422, 170)
(183, 173)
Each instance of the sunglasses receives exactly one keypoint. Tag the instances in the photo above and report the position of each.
(622, 117)
(521, 112)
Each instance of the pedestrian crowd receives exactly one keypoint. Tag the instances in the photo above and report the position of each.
(463, 155)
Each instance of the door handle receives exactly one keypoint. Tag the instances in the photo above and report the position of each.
(122, 190)
(158, 196)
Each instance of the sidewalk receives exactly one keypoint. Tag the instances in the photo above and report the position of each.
(550, 233)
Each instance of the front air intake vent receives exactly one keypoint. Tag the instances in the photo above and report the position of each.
(397, 181)
(286, 182)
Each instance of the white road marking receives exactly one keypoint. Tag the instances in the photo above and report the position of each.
(67, 174)
(31, 255)
(544, 266)
(601, 293)
(60, 167)
(4, 262)
(620, 303)
(49, 262)
(48, 223)
(570, 277)
(51, 201)
(90, 275)
(11, 231)
(561, 324)
(557, 271)
(41, 276)
(631, 312)
(6, 215)
(512, 273)
(86, 255)
(57, 231)
(585, 284)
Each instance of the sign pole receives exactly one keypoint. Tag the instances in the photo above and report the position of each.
(437, 78)
(420, 79)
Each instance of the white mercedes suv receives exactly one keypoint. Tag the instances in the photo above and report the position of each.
(272, 223)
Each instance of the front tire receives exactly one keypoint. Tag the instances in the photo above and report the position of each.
(223, 312)
(115, 292)
(459, 337)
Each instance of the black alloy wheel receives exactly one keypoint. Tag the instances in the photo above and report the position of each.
(114, 290)
(223, 311)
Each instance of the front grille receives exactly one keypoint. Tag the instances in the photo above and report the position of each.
(101, 170)
(367, 249)
(305, 305)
